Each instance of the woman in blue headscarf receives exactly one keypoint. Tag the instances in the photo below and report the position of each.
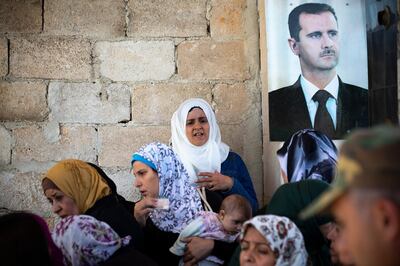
(169, 202)
(308, 154)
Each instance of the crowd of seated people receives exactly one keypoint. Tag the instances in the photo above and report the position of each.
(198, 205)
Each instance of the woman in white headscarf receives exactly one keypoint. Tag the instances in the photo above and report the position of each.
(270, 240)
(217, 171)
(196, 138)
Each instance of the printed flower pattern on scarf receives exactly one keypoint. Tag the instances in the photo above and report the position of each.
(83, 240)
(184, 201)
(283, 237)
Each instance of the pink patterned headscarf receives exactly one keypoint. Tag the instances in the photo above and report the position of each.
(84, 240)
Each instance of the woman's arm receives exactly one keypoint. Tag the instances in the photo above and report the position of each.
(234, 167)
(198, 249)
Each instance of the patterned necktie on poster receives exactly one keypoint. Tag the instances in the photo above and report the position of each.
(323, 120)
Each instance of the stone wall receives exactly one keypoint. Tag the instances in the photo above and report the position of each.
(95, 80)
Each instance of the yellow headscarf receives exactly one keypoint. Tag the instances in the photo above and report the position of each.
(79, 181)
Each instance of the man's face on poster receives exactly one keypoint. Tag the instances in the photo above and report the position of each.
(318, 44)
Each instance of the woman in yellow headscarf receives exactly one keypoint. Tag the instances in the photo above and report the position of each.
(75, 187)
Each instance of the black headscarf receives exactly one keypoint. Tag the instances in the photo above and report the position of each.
(308, 154)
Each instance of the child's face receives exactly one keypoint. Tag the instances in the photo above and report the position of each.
(232, 222)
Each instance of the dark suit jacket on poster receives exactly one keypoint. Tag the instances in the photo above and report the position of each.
(288, 112)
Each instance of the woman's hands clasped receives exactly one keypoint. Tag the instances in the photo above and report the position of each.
(214, 181)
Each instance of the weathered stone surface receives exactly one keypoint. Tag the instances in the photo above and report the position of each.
(130, 139)
(124, 179)
(155, 104)
(53, 58)
(232, 102)
(5, 146)
(167, 18)
(212, 60)
(3, 57)
(89, 103)
(23, 101)
(20, 16)
(233, 136)
(105, 18)
(23, 191)
(226, 18)
(136, 61)
(78, 142)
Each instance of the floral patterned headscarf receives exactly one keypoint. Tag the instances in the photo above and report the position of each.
(283, 237)
(84, 240)
(174, 185)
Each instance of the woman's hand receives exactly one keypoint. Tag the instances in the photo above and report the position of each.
(143, 208)
(197, 249)
(215, 181)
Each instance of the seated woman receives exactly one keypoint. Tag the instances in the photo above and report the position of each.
(270, 240)
(25, 240)
(75, 187)
(196, 138)
(84, 240)
(289, 200)
(169, 203)
(308, 154)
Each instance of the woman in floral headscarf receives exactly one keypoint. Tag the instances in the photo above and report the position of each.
(289, 200)
(169, 200)
(84, 240)
(308, 154)
(269, 240)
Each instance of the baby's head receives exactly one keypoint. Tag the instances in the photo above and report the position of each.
(234, 211)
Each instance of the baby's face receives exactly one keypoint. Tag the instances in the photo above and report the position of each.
(232, 222)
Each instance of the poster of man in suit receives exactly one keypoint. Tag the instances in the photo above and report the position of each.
(325, 86)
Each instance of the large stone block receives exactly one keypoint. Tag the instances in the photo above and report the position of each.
(23, 101)
(105, 18)
(3, 57)
(89, 103)
(5, 146)
(167, 18)
(23, 191)
(136, 61)
(227, 18)
(20, 16)
(124, 180)
(232, 102)
(53, 58)
(32, 144)
(155, 104)
(203, 60)
(233, 135)
(117, 143)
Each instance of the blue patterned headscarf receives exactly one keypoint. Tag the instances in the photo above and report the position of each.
(184, 200)
(308, 154)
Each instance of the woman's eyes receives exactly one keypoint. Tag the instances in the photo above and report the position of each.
(261, 249)
(202, 120)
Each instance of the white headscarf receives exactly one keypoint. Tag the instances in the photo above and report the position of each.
(206, 158)
(184, 201)
(283, 237)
